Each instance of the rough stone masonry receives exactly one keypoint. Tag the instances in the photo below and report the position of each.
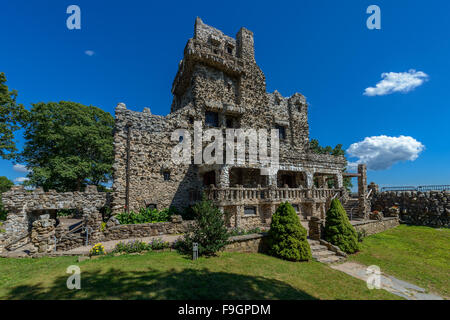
(220, 84)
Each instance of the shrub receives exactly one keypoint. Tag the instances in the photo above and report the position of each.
(140, 246)
(130, 247)
(97, 250)
(338, 229)
(208, 231)
(158, 244)
(287, 237)
(146, 216)
(187, 213)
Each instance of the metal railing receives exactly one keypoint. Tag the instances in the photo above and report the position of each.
(419, 188)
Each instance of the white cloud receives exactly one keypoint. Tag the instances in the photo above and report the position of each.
(20, 168)
(90, 53)
(21, 179)
(381, 152)
(397, 82)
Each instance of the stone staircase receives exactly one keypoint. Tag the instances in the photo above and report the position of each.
(351, 206)
(322, 254)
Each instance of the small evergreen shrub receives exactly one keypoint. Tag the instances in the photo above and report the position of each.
(338, 229)
(208, 230)
(287, 237)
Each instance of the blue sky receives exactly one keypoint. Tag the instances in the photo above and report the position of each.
(321, 49)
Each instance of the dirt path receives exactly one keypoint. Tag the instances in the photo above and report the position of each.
(389, 283)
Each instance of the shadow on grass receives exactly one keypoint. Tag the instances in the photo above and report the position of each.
(154, 284)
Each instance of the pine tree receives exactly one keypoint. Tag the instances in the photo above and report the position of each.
(338, 229)
(208, 230)
(287, 237)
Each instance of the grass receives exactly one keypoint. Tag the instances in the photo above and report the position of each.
(417, 254)
(168, 275)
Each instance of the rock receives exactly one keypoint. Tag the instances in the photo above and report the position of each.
(82, 258)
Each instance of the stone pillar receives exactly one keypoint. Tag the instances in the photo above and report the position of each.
(92, 221)
(223, 177)
(362, 191)
(309, 180)
(316, 226)
(43, 235)
(272, 180)
(239, 214)
(340, 181)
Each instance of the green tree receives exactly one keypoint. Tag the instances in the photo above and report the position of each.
(5, 185)
(338, 229)
(287, 237)
(10, 114)
(67, 145)
(208, 230)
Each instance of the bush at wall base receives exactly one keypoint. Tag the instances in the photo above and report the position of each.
(287, 237)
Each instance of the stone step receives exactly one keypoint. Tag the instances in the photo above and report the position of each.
(323, 253)
(330, 259)
(317, 247)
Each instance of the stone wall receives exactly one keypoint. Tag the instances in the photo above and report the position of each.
(130, 231)
(28, 209)
(376, 226)
(251, 243)
(218, 74)
(430, 208)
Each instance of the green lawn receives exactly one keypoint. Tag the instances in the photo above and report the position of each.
(420, 255)
(168, 275)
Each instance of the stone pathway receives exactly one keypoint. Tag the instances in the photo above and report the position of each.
(322, 254)
(389, 283)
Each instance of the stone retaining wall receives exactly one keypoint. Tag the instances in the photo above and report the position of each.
(430, 208)
(376, 226)
(251, 243)
(130, 231)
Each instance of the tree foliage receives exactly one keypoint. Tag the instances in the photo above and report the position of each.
(5, 185)
(338, 229)
(208, 230)
(287, 237)
(10, 114)
(67, 145)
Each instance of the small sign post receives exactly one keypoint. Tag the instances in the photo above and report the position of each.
(195, 251)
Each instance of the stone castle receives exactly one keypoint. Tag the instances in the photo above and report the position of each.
(220, 84)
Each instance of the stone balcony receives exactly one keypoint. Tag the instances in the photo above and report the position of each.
(260, 195)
